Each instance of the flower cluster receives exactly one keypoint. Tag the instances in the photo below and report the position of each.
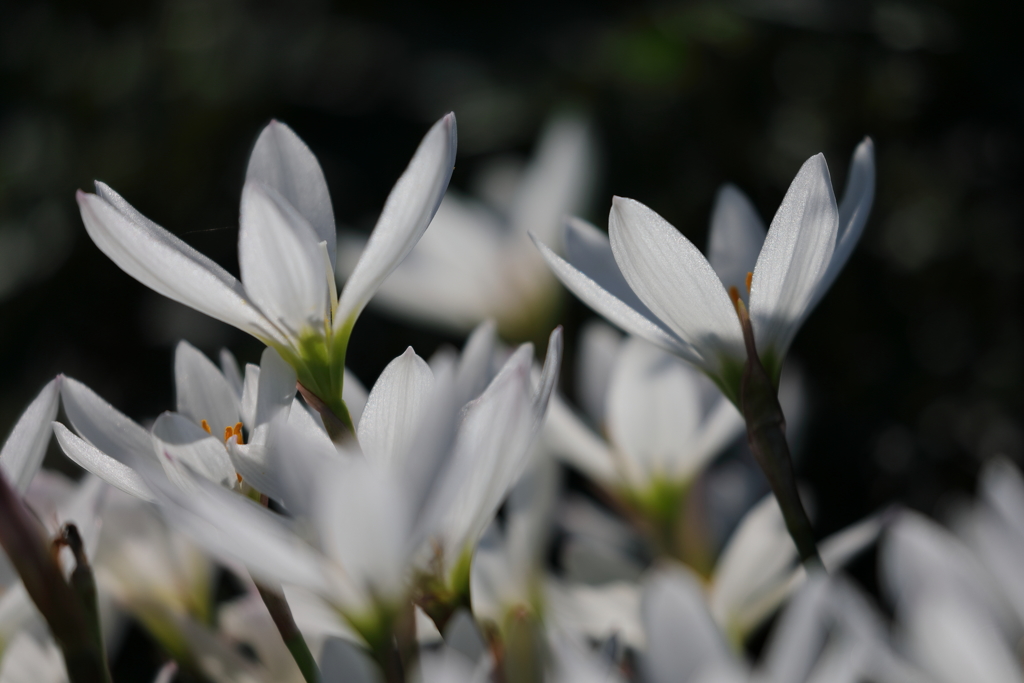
(423, 530)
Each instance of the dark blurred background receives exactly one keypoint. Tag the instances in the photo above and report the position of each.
(914, 359)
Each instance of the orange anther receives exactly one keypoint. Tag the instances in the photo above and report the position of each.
(239, 477)
(734, 295)
(750, 278)
(228, 433)
(237, 431)
(205, 425)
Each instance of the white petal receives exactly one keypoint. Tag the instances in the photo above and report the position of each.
(794, 258)
(283, 161)
(229, 368)
(103, 466)
(576, 444)
(682, 639)
(104, 426)
(548, 376)
(250, 394)
(676, 282)
(24, 449)
(406, 214)
(800, 632)
(557, 182)
(475, 364)
(251, 462)
(227, 524)
(854, 209)
(203, 392)
(489, 456)
(736, 236)
(954, 641)
(354, 394)
(598, 346)
(28, 661)
(397, 403)
(654, 408)
(280, 261)
(753, 569)
(276, 388)
(609, 610)
(164, 263)
(179, 441)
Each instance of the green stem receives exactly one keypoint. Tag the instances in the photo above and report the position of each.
(766, 433)
(290, 634)
(339, 428)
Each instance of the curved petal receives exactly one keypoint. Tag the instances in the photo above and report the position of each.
(276, 388)
(616, 310)
(736, 236)
(282, 267)
(393, 412)
(854, 209)
(676, 282)
(281, 160)
(654, 408)
(115, 473)
(203, 393)
(24, 449)
(229, 368)
(167, 265)
(102, 425)
(475, 369)
(406, 214)
(599, 345)
(573, 442)
(179, 441)
(794, 258)
(682, 639)
(558, 180)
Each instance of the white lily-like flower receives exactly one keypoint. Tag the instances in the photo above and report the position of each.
(828, 633)
(648, 279)
(287, 297)
(665, 422)
(419, 492)
(756, 572)
(205, 434)
(476, 262)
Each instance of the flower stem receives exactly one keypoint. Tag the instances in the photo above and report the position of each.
(766, 433)
(69, 610)
(290, 634)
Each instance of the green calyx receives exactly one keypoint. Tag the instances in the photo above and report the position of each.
(730, 374)
(319, 363)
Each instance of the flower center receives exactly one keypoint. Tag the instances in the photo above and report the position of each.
(229, 432)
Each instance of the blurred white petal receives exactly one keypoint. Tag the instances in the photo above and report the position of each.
(23, 452)
(735, 239)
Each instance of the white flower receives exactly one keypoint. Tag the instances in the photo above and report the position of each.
(653, 282)
(23, 452)
(476, 262)
(287, 297)
(362, 521)
(664, 420)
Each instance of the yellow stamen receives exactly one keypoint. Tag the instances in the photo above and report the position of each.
(750, 278)
(228, 433)
(237, 431)
(205, 425)
(239, 477)
(734, 295)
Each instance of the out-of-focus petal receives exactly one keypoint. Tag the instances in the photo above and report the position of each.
(406, 214)
(569, 439)
(179, 441)
(203, 393)
(599, 345)
(23, 452)
(282, 161)
(736, 236)
(354, 394)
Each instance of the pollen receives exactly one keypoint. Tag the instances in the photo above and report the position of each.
(206, 426)
(750, 278)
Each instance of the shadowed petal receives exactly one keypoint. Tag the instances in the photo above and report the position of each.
(794, 258)
(735, 239)
(203, 392)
